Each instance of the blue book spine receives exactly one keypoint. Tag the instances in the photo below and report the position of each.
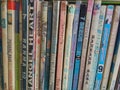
(79, 46)
(73, 46)
(48, 45)
(104, 45)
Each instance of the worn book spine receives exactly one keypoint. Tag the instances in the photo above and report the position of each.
(55, 24)
(48, 45)
(70, 18)
(79, 46)
(111, 45)
(11, 44)
(89, 71)
(85, 42)
(115, 64)
(43, 44)
(73, 43)
(38, 44)
(61, 40)
(24, 44)
(117, 84)
(30, 42)
(4, 42)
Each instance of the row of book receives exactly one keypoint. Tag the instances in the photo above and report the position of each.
(59, 45)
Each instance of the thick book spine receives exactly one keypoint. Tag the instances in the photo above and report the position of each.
(55, 23)
(38, 44)
(61, 39)
(89, 71)
(4, 42)
(73, 43)
(43, 44)
(79, 46)
(48, 45)
(115, 64)
(70, 18)
(30, 42)
(24, 43)
(117, 84)
(85, 42)
(17, 48)
(111, 45)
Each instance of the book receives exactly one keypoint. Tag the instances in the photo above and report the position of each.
(43, 44)
(73, 43)
(4, 42)
(81, 28)
(90, 61)
(61, 39)
(68, 40)
(54, 38)
(85, 42)
(117, 83)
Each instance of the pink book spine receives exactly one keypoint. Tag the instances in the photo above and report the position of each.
(61, 39)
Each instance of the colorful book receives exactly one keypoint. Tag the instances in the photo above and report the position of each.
(73, 43)
(43, 44)
(4, 42)
(60, 50)
(54, 38)
(67, 51)
(90, 62)
(81, 25)
(85, 42)
(117, 85)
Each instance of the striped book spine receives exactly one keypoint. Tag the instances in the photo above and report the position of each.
(111, 45)
(43, 44)
(115, 64)
(17, 48)
(30, 53)
(61, 39)
(4, 42)
(73, 43)
(89, 73)
(54, 38)
(48, 45)
(85, 42)
(79, 46)
(11, 44)
(24, 43)
(70, 17)
(117, 85)
(38, 44)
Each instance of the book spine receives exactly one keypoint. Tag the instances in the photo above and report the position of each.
(61, 38)
(104, 47)
(30, 53)
(117, 85)
(115, 64)
(55, 23)
(24, 43)
(11, 45)
(43, 43)
(48, 45)
(109, 47)
(4, 42)
(79, 46)
(71, 11)
(85, 42)
(73, 43)
(17, 48)
(89, 73)
(38, 44)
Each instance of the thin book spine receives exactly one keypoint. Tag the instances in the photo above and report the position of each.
(54, 38)
(4, 42)
(68, 39)
(61, 38)
(48, 45)
(73, 43)
(85, 42)
(43, 44)
(89, 71)
(117, 84)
